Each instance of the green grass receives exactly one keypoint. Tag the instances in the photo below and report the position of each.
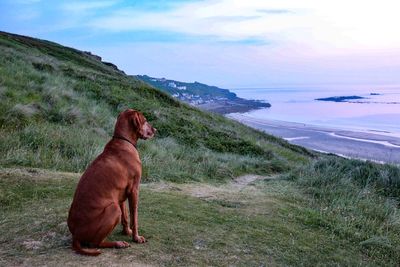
(355, 200)
(268, 223)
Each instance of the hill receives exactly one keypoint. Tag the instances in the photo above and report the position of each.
(215, 192)
(58, 107)
(203, 96)
(203, 91)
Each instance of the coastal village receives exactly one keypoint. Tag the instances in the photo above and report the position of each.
(183, 95)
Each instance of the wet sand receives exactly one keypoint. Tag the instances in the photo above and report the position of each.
(365, 145)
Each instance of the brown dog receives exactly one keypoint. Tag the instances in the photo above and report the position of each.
(113, 177)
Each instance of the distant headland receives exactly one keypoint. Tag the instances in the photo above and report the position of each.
(204, 96)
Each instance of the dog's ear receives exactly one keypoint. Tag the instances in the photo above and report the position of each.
(137, 120)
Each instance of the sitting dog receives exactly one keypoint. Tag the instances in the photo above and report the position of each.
(112, 178)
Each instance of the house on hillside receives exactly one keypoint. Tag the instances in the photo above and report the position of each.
(172, 84)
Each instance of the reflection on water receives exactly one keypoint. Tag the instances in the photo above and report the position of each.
(379, 111)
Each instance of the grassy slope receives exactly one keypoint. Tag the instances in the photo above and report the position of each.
(57, 109)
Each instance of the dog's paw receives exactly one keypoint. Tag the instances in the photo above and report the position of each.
(127, 232)
(139, 239)
(121, 244)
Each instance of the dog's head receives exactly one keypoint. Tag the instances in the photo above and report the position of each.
(136, 122)
(144, 129)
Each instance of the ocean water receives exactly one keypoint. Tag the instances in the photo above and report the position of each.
(379, 112)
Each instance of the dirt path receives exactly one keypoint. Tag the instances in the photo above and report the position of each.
(208, 191)
(246, 180)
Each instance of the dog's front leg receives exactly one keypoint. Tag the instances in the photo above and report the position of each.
(124, 220)
(133, 208)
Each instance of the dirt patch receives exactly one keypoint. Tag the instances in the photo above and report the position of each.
(32, 244)
(193, 189)
(210, 192)
(246, 180)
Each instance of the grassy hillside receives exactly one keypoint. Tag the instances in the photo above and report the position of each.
(58, 107)
(203, 90)
(57, 110)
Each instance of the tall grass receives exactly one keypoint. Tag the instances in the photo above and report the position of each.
(357, 200)
(50, 146)
(165, 159)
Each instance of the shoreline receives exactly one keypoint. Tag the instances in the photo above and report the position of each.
(382, 147)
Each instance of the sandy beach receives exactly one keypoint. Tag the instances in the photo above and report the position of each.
(381, 147)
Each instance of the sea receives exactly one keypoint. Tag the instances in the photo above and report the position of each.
(377, 112)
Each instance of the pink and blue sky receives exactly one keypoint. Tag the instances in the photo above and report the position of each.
(253, 43)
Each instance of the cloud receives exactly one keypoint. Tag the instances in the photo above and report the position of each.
(274, 11)
(215, 19)
(319, 24)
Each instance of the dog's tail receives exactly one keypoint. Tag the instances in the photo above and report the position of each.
(76, 245)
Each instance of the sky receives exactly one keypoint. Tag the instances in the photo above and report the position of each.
(231, 44)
